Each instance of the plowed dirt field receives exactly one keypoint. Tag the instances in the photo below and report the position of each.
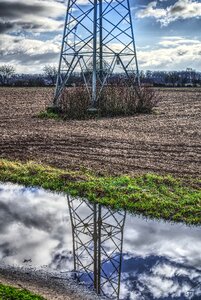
(168, 141)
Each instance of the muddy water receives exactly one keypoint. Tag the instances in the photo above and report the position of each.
(120, 255)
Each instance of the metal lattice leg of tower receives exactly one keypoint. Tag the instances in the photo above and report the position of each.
(82, 220)
(97, 244)
(98, 41)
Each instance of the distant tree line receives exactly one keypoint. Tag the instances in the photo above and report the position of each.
(189, 77)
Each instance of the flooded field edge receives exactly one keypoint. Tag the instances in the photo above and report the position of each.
(151, 195)
(139, 253)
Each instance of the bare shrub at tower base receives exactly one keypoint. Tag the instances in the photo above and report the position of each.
(117, 100)
(114, 100)
(148, 98)
(75, 102)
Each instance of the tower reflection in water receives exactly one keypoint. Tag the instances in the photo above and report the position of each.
(97, 246)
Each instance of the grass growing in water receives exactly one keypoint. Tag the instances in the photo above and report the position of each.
(150, 195)
(10, 293)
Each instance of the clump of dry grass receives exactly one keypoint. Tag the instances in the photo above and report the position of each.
(115, 100)
(74, 103)
(147, 99)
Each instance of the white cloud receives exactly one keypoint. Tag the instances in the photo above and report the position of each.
(28, 55)
(176, 41)
(182, 9)
(151, 11)
(16, 45)
(161, 287)
(172, 53)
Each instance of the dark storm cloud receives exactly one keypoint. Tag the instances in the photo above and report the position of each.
(16, 10)
(32, 16)
(11, 213)
(6, 26)
(14, 26)
(28, 60)
(28, 224)
(177, 8)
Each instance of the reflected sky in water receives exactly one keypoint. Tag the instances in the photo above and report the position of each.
(160, 260)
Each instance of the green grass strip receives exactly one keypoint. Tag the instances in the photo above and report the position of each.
(10, 293)
(150, 195)
(49, 115)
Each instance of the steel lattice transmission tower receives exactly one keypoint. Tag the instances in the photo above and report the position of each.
(97, 245)
(98, 40)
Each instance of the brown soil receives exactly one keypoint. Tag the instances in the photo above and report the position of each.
(168, 141)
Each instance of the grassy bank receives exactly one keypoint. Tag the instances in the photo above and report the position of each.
(150, 195)
(10, 293)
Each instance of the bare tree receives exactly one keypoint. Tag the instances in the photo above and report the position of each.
(51, 73)
(6, 71)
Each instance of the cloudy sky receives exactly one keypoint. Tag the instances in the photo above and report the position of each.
(168, 33)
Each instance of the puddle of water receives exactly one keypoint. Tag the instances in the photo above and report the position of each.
(157, 260)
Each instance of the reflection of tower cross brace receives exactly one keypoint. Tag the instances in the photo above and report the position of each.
(97, 245)
(98, 40)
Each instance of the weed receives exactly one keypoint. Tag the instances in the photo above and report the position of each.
(49, 115)
(10, 293)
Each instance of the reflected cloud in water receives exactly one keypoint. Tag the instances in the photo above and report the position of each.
(34, 225)
(159, 260)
